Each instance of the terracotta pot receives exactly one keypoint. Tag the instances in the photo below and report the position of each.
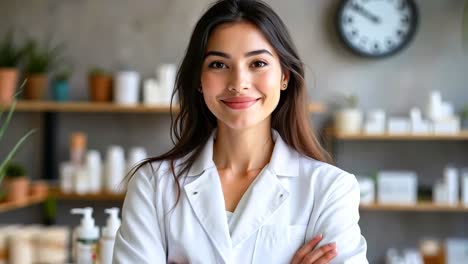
(17, 189)
(100, 88)
(8, 82)
(35, 87)
(39, 189)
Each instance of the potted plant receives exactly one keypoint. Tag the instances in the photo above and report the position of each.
(39, 61)
(10, 57)
(464, 118)
(16, 183)
(100, 85)
(60, 86)
(3, 127)
(349, 118)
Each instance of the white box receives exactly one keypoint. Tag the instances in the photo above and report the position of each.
(374, 127)
(397, 187)
(367, 190)
(397, 125)
(447, 126)
(421, 127)
(456, 251)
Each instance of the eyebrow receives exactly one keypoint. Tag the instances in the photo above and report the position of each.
(227, 56)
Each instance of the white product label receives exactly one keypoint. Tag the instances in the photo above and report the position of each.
(106, 251)
(86, 252)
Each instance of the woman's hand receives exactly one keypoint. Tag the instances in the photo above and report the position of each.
(307, 254)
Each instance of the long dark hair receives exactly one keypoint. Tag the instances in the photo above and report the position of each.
(194, 123)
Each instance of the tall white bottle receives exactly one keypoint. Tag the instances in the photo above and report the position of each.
(109, 232)
(115, 169)
(451, 181)
(87, 237)
(94, 166)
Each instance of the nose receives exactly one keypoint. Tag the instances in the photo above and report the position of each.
(239, 80)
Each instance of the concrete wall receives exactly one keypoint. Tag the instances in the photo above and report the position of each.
(141, 34)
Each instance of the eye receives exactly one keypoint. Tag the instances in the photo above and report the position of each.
(217, 65)
(259, 64)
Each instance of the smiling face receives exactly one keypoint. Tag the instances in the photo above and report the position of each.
(241, 76)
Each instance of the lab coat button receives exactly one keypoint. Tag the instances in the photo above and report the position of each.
(194, 193)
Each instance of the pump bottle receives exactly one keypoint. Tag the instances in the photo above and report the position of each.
(108, 236)
(87, 237)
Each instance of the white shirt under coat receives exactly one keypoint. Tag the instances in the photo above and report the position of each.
(293, 199)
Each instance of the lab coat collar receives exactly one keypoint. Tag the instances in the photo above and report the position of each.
(284, 159)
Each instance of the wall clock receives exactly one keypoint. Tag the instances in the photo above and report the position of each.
(377, 28)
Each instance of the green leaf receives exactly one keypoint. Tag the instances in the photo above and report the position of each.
(7, 120)
(13, 152)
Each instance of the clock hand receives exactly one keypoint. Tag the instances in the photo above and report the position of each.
(365, 13)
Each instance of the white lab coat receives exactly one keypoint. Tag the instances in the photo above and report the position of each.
(293, 199)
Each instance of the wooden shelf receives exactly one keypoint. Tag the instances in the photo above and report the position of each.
(56, 193)
(9, 206)
(463, 135)
(419, 207)
(89, 107)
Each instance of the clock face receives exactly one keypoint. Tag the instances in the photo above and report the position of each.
(377, 28)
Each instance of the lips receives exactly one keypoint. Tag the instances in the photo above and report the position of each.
(239, 102)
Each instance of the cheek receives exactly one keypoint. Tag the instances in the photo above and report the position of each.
(212, 83)
(268, 83)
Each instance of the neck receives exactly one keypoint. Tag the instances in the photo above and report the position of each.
(241, 151)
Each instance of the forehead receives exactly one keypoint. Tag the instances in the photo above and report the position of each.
(238, 37)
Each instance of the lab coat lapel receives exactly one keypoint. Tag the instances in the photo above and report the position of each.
(264, 196)
(207, 201)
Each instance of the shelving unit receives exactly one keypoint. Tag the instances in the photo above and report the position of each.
(9, 206)
(419, 207)
(89, 107)
(59, 195)
(463, 135)
(422, 206)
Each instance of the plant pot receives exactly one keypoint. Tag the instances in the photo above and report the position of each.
(348, 121)
(8, 82)
(35, 87)
(17, 189)
(60, 91)
(100, 88)
(39, 189)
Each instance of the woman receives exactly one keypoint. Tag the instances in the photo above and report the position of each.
(247, 181)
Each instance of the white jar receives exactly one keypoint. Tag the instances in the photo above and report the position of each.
(348, 121)
(126, 87)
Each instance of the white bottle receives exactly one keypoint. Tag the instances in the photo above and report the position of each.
(87, 237)
(94, 165)
(465, 186)
(107, 241)
(115, 169)
(451, 181)
(135, 155)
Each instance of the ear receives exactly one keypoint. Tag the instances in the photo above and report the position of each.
(284, 80)
(285, 77)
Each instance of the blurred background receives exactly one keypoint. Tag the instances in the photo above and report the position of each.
(100, 73)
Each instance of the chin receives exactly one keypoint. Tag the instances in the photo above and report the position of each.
(243, 123)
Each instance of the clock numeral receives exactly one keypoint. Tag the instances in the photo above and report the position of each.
(376, 46)
(402, 5)
(405, 19)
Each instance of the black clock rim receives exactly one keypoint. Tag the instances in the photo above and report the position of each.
(403, 45)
